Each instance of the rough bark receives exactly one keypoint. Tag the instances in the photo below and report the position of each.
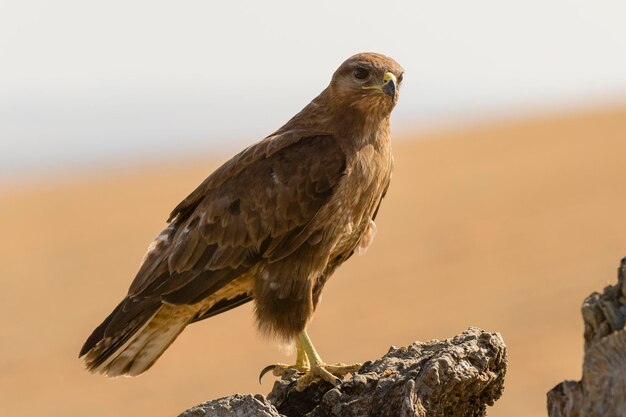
(456, 377)
(602, 389)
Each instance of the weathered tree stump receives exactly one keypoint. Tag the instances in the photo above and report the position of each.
(602, 390)
(456, 377)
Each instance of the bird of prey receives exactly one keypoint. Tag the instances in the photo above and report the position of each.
(270, 225)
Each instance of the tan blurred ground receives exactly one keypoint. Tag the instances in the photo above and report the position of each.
(505, 227)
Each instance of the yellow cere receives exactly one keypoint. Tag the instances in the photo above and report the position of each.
(386, 78)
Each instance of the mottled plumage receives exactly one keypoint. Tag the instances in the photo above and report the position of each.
(270, 225)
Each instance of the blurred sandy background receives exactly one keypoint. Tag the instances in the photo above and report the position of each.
(507, 227)
(507, 206)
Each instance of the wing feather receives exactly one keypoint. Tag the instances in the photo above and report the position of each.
(260, 204)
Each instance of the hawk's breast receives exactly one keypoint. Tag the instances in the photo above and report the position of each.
(358, 198)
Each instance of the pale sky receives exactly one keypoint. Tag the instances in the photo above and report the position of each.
(95, 83)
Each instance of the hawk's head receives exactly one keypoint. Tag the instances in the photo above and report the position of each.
(369, 82)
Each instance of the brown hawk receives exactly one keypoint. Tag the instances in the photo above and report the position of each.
(271, 225)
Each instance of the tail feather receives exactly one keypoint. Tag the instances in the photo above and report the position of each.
(138, 331)
(98, 334)
(105, 353)
(132, 337)
(147, 346)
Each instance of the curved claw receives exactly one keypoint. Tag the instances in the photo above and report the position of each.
(266, 370)
(331, 373)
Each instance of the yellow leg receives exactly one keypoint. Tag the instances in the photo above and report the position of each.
(309, 362)
(302, 360)
(318, 369)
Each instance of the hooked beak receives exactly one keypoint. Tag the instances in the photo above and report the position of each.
(389, 86)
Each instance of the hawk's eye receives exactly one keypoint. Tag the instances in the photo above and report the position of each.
(361, 73)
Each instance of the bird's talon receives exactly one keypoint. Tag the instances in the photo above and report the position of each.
(280, 369)
(266, 370)
(332, 374)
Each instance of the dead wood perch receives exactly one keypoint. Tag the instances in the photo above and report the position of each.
(456, 377)
(602, 390)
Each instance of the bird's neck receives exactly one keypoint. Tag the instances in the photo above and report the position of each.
(360, 129)
(342, 121)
